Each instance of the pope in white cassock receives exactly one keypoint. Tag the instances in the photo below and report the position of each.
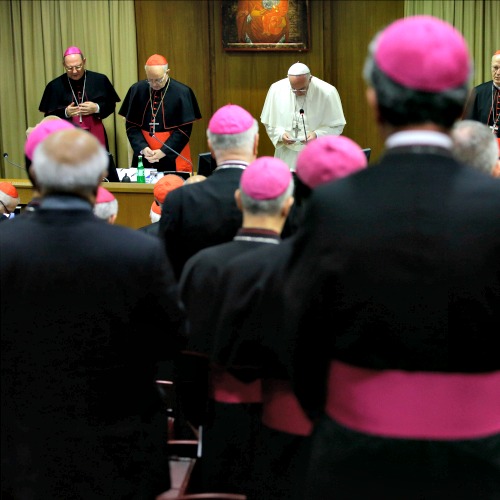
(299, 108)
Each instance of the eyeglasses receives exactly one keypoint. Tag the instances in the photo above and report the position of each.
(157, 81)
(301, 91)
(71, 68)
(494, 69)
(7, 211)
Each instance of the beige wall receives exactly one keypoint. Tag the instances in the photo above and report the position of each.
(188, 34)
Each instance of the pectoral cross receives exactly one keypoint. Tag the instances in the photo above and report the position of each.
(153, 126)
(494, 129)
(296, 129)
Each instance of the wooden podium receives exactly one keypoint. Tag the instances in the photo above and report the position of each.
(134, 200)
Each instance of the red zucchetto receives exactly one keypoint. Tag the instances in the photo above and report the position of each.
(156, 60)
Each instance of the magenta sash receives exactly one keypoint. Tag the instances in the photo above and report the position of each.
(414, 405)
(93, 125)
(281, 410)
(225, 388)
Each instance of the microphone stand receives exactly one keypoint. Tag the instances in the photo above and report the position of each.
(6, 158)
(170, 149)
(301, 111)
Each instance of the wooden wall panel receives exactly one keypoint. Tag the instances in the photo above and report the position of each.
(188, 34)
(354, 26)
(180, 30)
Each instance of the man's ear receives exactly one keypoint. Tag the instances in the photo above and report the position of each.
(210, 148)
(237, 199)
(287, 206)
(371, 97)
(496, 169)
(256, 145)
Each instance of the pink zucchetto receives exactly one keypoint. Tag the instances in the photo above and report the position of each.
(41, 131)
(156, 60)
(266, 178)
(103, 195)
(72, 50)
(423, 53)
(329, 158)
(230, 119)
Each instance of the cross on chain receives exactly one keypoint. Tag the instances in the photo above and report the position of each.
(152, 126)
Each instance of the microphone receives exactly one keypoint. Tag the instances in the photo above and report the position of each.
(6, 158)
(169, 148)
(301, 111)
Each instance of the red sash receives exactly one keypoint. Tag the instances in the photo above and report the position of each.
(181, 165)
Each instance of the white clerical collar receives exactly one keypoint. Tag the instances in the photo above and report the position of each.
(420, 138)
(232, 164)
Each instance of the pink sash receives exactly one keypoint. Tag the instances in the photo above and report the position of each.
(281, 410)
(225, 388)
(93, 125)
(414, 405)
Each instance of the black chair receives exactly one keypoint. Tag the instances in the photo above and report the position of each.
(206, 164)
(368, 152)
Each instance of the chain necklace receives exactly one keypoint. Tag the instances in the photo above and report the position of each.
(153, 114)
(83, 92)
(495, 108)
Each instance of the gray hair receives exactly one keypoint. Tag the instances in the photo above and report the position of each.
(266, 207)
(243, 141)
(164, 66)
(82, 177)
(106, 210)
(475, 145)
(154, 216)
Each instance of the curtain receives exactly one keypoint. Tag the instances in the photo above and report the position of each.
(477, 20)
(33, 37)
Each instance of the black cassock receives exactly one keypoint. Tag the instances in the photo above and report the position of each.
(175, 107)
(58, 95)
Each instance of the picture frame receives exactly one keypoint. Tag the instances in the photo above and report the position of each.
(265, 25)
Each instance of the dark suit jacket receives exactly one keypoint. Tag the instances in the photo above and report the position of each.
(200, 215)
(397, 267)
(230, 430)
(150, 228)
(87, 311)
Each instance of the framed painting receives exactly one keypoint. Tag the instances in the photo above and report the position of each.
(265, 25)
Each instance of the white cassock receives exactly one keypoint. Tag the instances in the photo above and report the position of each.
(322, 114)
